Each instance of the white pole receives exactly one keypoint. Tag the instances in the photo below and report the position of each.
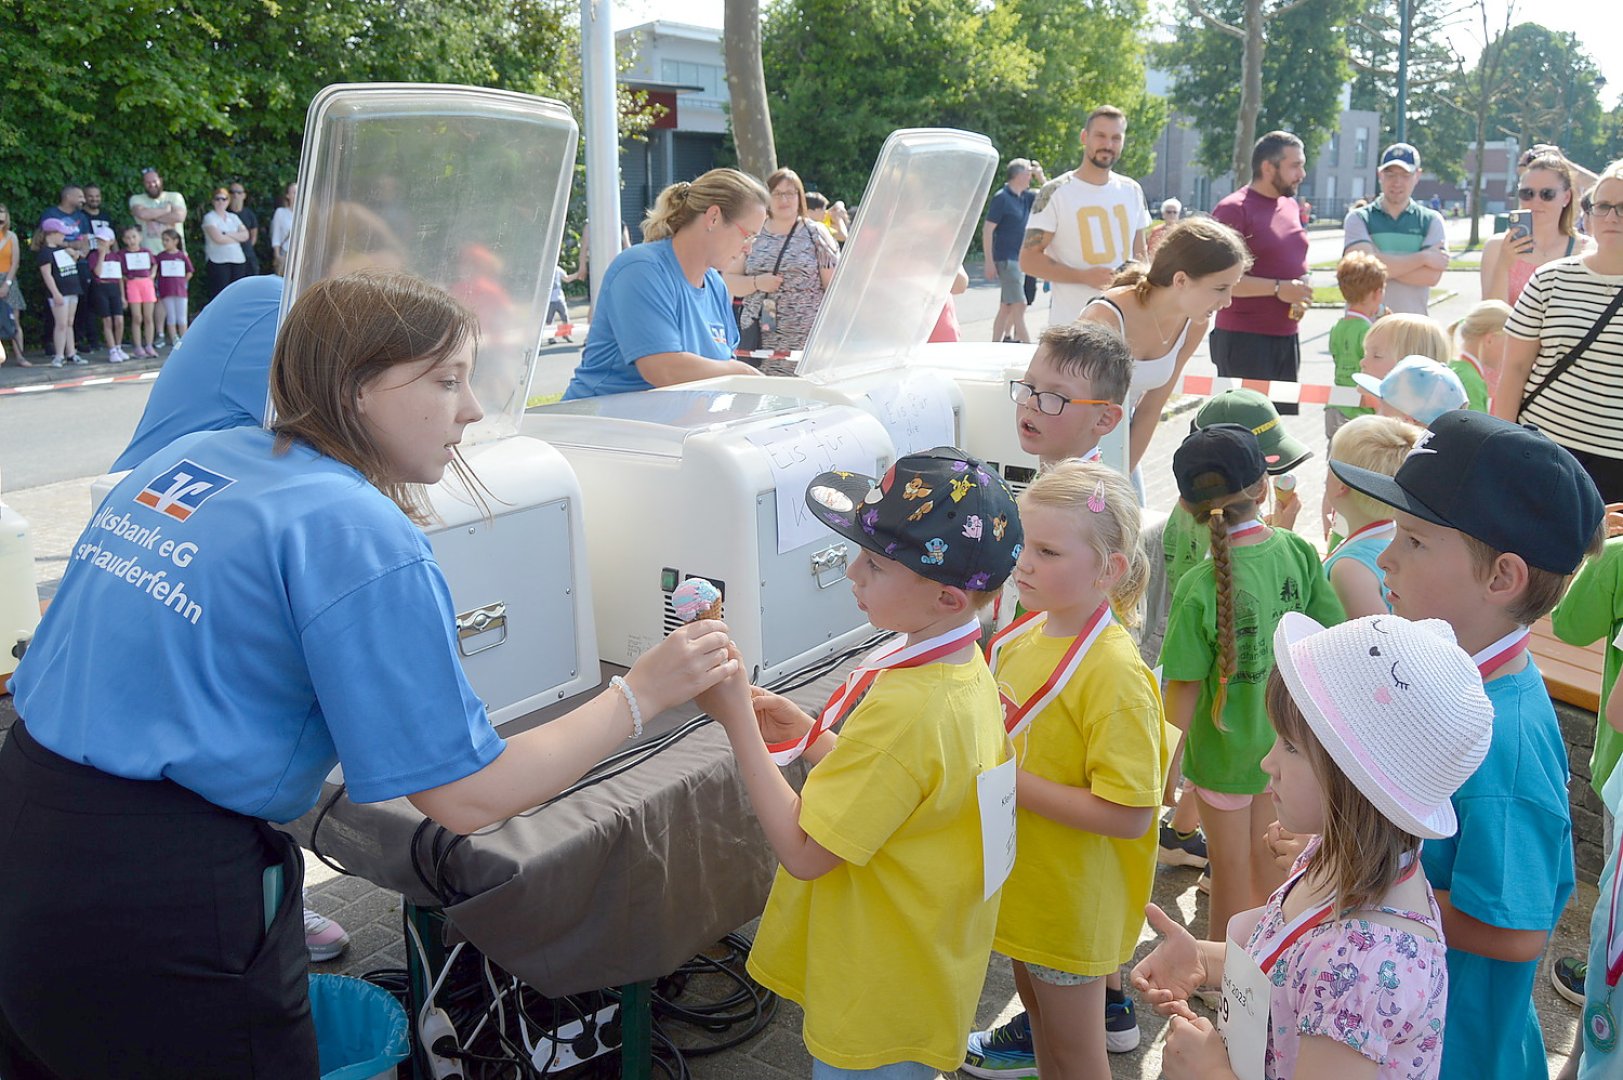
(602, 135)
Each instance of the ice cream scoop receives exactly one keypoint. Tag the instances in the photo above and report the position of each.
(696, 598)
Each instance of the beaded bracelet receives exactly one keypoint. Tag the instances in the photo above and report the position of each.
(631, 699)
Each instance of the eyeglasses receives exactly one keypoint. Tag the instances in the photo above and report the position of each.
(749, 237)
(1548, 194)
(1048, 402)
(1606, 209)
(238, 191)
(221, 198)
(789, 193)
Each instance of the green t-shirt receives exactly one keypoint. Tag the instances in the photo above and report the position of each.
(1184, 544)
(1347, 350)
(1278, 575)
(1591, 610)
(1476, 387)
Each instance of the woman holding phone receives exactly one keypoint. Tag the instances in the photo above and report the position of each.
(1547, 230)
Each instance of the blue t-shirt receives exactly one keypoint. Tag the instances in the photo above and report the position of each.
(1008, 213)
(219, 376)
(646, 306)
(1509, 865)
(1364, 552)
(237, 621)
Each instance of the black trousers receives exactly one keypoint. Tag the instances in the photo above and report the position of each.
(1607, 472)
(1241, 355)
(219, 275)
(133, 941)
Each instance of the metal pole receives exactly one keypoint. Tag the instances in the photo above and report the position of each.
(1404, 27)
(602, 135)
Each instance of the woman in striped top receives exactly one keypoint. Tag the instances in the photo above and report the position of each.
(1582, 407)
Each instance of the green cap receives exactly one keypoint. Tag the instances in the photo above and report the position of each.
(1280, 449)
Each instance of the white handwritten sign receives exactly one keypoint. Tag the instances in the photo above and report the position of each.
(916, 412)
(994, 791)
(797, 453)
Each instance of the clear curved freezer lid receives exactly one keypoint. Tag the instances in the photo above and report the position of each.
(923, 201)
(464, 187)
(659, 423)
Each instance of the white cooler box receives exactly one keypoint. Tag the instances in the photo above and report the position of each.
(708, 483)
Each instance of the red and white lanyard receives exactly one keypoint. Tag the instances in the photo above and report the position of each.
(1359, 315)
(885, 658)
(1374, 528)
(1017, 717)
(1474, 362)
(1501, 652)
(1292, 931)
(1245, 527)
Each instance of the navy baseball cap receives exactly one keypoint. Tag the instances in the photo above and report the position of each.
(1402, 155)
(940, 513)
(1223, 459)
(1508, 485)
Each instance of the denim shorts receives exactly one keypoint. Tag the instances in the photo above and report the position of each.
(900, 1070)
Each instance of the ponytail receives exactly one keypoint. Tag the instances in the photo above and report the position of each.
(1223, 577)
(683, 202)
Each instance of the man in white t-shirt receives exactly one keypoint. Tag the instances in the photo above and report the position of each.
(1087, 223)
(155, 210)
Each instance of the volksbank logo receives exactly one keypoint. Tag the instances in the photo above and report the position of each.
(180, 490)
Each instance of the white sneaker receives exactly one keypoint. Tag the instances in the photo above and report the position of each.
(56, 361)
(324, 938)
(115, 355)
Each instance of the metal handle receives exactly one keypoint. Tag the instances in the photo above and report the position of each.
(479, 621)
(830, 558)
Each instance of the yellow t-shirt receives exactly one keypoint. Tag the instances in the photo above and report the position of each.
(1075, 900)
(887, 952)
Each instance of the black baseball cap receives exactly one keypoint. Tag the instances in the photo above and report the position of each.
(1507, 485)
(941, 513)
(1223, 459)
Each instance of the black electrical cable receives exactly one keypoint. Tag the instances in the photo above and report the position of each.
(315, 831)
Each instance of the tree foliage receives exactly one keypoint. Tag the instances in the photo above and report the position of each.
(1552, 96)
(1435, 123)
(846, 73)
(1303, 70)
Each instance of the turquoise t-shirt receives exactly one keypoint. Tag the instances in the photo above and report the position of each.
(1278, 575)
(1600, 1064)
(1364, 552)
(1509, 865)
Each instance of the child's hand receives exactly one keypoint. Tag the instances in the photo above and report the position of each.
(1174, 970)
(781, 720)
(1614, 515)
(1194, 1050)
(728, 701)
(1285, 845)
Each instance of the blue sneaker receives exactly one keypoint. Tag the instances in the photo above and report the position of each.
(1003, 1053)
(1121, 1023)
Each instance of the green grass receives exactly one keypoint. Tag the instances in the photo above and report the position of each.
(1330, 295)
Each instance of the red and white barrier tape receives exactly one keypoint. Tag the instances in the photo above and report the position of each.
(71, 384)
(1275, 390)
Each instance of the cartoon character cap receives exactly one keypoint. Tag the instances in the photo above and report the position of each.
(941, 513)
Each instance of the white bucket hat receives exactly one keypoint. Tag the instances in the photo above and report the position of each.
(1418, 387)
(1397, 705)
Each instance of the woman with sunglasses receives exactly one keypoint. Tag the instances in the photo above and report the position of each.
(223, 237)
(663, 315)
(1508, 261)
(1563, 367)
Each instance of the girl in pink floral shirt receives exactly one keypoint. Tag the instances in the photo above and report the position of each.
(1379, 720)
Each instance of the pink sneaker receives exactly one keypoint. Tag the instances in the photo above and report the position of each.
(324, 938)
(150, 353)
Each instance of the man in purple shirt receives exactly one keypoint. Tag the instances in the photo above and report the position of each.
(1256, 336)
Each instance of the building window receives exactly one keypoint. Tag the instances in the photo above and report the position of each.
(1330, 189)
(711, 78)
(1357, 188)
(1361, 149)
(1333, 154)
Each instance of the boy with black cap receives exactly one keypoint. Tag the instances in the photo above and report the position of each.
(881, 919)
(1492, 521)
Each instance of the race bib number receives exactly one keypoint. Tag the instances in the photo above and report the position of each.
(138, 260)
(110, 270)
(1242, 1016)
(171, 268)
(994, 790)
(63, 260)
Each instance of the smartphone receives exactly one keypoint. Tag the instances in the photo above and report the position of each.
(1517, 224)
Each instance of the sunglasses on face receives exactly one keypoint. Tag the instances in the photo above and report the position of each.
(1548, 194)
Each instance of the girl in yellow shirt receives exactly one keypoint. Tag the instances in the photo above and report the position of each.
(1085, 715)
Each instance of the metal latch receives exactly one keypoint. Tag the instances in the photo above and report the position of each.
(478, 622)
(832, 558)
